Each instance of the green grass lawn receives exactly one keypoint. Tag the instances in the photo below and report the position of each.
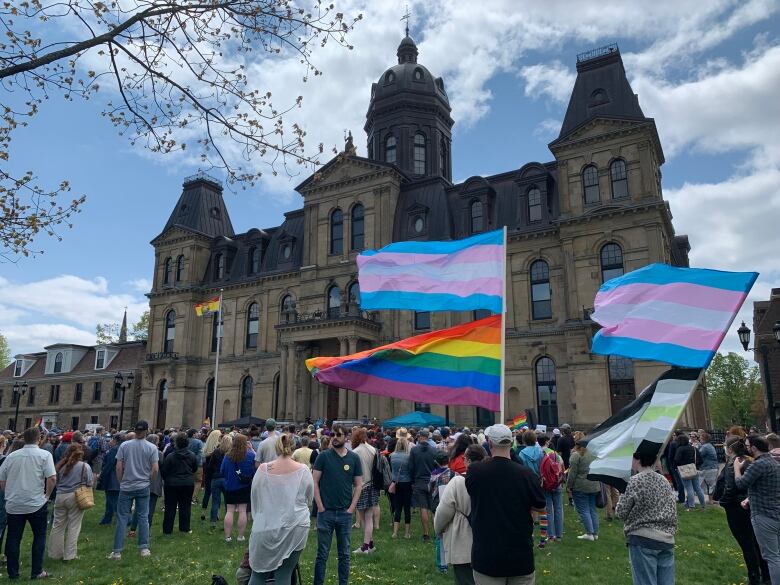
(706, 555)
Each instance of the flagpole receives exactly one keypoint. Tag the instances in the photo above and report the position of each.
(213, 412)
(503, 333)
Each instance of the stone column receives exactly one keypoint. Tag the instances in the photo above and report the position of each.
(356, 399)
(302, 384)
(342, 392)
(283, 382)
(289, 410)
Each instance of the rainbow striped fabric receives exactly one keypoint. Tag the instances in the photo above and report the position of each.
(207, 307)
(460, 275)
(520, 421)
(460, 365)
(673, 315)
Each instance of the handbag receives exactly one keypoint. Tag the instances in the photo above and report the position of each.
(85, 499)
(600, 498)
(391, 487)
(687, 471)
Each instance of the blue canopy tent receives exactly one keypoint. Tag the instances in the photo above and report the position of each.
(416, 419)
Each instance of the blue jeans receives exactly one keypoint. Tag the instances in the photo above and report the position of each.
(124, 505)
(651, 567)
(217, 487)
(327, 522)
(767, 531)
(585, 504)
(152, 508)
(112, 497)
(692, 485)
(554, 513)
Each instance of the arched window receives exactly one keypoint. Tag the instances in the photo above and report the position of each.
(219, 266)
(254, 260)
(334, 302)
(252, 325)
(210, 403)
(541, 305)
(287, 308)
(357, 228)
(390, 149)
(336, 232)
(534, 205)
(353, 293)
(246, 397)
(443, 158)
(611, 262)
(590, 184)
(168, 271)
(621, 381)
(170, 331)
(58, 363)
(546, 392)
(419, 154)
(618, 178)
(477, 223)
(162, 403)
(180, 268)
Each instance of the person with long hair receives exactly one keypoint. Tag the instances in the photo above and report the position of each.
(451, 521)
(213, 467)
(584, 491)
(687, 454)
(369, 496)
(178, 472)
(238, 469)
(211, 445)
(281, 495)
(72, 473)
(402, 481)
(457, 453)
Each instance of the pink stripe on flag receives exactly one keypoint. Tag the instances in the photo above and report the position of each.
(410, 283)
(683, 293)
(657, 332)
(360, 382)
(472, 255)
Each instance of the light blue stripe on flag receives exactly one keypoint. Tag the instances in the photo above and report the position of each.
(665, 274)
(495, 237)
(645, 350)
(428, 302)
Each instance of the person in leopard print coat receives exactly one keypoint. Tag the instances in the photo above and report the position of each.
(649, 512)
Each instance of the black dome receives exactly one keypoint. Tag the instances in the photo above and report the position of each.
(408, 76)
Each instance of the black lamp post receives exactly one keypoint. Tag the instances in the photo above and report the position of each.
(19, 391)
(764, 349)
(119, 384)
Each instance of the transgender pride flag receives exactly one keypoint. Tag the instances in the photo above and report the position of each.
(459, 275)
(673, 315)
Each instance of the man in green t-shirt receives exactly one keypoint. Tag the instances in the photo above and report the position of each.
(336, 472)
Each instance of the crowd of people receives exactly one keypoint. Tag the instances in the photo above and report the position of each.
(485, 499)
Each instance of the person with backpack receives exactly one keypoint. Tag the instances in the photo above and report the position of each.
(551, 471)
(372, 483)
(531, 456)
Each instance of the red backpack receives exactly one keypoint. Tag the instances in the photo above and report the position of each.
(551, 471)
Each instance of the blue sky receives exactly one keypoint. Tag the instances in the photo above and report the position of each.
(708, 76)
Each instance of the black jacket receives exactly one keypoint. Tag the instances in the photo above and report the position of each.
(731, 495)
(178, 468)
(213, 467)
(685, 454)
(421, 463)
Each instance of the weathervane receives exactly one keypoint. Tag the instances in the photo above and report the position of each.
(406, 17)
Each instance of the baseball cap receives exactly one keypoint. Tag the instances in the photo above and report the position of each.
(499, 434)
(142, 425)
(565, 426)
(556, 431)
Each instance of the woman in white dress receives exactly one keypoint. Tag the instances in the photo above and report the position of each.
(282, 492)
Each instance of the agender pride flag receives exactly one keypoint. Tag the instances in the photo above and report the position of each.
(460, 365)
(458, 275)
(674, 315)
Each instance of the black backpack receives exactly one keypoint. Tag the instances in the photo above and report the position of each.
(380, 472)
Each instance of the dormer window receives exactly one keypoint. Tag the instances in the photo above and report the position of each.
(100, 359)
(534, 205)
(286, 252)
(215, 213)
(418, 74)
(219, 266)
(390, 77)
(599, 97)
(419, 224)
(477, 218)
(254, 260)
(58, 363)
(18, 368)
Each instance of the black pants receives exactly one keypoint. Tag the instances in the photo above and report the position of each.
(403, 501)
(177, 496)
(16, 523)
(739, 522)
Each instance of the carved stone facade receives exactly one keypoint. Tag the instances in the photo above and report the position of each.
(291, 292)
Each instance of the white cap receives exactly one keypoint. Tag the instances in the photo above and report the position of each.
(556, 431)
(499, 434)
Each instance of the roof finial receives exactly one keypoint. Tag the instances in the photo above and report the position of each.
(407, 15)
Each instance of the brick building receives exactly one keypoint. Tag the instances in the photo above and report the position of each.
(766, 316)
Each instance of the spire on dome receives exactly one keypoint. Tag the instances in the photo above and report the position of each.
(123, 330)
(407, 50)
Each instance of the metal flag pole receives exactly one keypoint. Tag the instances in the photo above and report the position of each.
(503, 334)
(216, 365)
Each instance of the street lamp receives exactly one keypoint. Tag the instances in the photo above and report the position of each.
(119, 384)
(19, 391)
(744, 338)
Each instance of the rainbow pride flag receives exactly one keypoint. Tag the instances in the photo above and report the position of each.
(674, 315)
(520, 421)
(459, 275)
(458, 366)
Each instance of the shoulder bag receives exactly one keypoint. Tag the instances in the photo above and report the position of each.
(85, 499)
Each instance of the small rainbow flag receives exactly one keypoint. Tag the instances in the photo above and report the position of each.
(521, 420)
(207, 307)
(459, 366)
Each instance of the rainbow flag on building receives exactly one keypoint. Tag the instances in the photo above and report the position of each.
(207, 307)
(674, 315)
(520, 421)
(457, 366)
(459, 275)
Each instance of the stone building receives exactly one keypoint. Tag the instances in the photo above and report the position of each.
(766, 317)
(70, 386)
(594, 211)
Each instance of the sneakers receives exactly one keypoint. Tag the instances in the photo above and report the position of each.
(426, 538)
(595, 537)
(586, 537)
(365, 549)
(241, 539)
(228, 539)
(114, 556)
(43, 575)
(145, 552)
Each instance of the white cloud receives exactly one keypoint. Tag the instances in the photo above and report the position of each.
(141, 285)
(33, 337)
(554, 80)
